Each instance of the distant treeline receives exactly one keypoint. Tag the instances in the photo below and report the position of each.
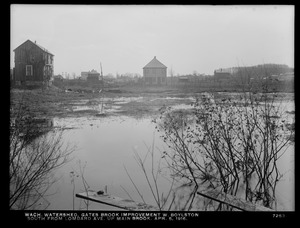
(264, 70)
(251, 76)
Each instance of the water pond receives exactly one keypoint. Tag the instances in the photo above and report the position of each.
(105, 146)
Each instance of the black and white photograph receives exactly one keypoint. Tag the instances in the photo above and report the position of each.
(151, 112)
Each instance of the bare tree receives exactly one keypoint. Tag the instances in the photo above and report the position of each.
(34, 155)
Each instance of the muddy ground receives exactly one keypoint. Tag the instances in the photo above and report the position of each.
(54, 102)
(139, 102)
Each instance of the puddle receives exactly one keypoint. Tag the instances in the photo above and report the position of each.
(125, 100)
(106, 108)
(182, 106)
(80, 102)
(82, 108)
(175, 98)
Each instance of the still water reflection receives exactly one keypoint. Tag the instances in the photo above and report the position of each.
(107, 144)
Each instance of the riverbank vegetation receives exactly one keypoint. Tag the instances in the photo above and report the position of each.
(36, 150)
(229, 144)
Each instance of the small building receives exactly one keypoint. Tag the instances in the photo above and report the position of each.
(222, 73)
(183, 79)
(58, 78)
(33, 64)
(84, 75)
(93, 76)
(155, 73)
(289, 76)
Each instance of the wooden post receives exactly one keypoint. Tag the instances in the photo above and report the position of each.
(130, 205)
(233, 201)
(115, 201)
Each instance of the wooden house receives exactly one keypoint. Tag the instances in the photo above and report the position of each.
(84, 75)
(93, 76)
(33, 64)
(58, 78)
(155, 73)
(222, 74)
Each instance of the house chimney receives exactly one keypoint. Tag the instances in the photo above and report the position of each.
(35, 41)
(155, 57)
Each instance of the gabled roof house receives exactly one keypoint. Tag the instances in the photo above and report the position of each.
(155, 73)
(33, 64)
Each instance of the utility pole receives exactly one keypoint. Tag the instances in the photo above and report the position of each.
(171, 72)
(101, 74)
(101, 91)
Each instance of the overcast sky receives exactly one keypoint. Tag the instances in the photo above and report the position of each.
(186, 38)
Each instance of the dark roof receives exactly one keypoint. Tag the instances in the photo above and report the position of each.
(154, 63)
(39, 46)
(58, 76)
(223, 70)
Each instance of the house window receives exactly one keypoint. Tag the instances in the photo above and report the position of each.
(48, 71)
(29, 70)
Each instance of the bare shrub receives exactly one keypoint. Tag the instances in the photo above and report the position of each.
(233, 145)
(34, 155)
